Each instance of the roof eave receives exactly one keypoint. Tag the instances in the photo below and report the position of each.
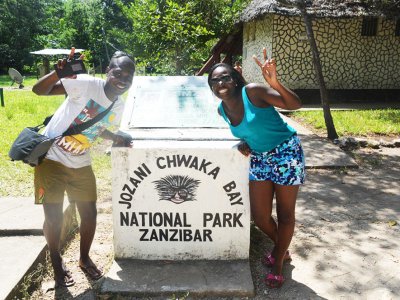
(258, 11)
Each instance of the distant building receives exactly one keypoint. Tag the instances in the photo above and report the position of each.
(359, 45)
(359, 48)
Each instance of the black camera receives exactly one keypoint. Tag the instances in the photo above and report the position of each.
(72, 67)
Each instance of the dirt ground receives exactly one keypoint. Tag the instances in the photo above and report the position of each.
(345, 244)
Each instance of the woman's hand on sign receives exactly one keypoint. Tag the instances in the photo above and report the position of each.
(244, 149)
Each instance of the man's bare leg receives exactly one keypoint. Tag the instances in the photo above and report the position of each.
(53, 214)
(88, 214)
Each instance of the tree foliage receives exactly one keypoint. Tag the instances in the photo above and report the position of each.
(82, 27)
(30, 25)
(176, 35)
(21, 22)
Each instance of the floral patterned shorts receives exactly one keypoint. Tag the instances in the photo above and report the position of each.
(284, 165)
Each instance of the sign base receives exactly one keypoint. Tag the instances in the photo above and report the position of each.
(154, 278)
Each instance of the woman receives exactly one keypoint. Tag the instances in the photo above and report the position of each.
(276, 157)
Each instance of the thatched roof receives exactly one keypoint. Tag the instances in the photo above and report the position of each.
(322, 8)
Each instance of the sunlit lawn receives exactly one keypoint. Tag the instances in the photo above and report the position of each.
(29, 81)
(356, 122)
(23, 108)
(5, 81)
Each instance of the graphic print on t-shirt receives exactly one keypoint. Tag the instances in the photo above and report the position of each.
(79, 143)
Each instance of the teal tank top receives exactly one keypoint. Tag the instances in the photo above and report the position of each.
(261, 128)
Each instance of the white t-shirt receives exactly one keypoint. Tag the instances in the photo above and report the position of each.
(86, 99)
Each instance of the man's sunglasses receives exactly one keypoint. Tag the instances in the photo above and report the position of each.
(223, 79)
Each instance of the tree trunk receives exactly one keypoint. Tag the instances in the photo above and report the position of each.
(332, 134)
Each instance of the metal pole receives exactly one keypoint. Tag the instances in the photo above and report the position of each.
(105, 44)
(2, 97)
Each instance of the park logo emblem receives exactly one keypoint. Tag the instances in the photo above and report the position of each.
(177, 188)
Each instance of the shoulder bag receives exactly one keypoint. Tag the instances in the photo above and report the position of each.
(31, 147)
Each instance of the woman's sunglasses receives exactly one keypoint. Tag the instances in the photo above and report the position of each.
(223, 79)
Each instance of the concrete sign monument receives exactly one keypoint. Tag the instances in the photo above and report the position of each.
(180, 204)
(180, 194)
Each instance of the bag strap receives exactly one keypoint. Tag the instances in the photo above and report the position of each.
(47, 120)
(78, 128)
(81, 127)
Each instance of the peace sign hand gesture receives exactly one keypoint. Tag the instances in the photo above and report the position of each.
(268, 69)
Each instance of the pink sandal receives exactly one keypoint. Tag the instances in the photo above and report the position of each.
(274, 281)
(269, 260)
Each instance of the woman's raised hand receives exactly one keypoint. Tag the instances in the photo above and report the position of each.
(268, 69)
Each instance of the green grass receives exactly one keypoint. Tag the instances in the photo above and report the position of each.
(29, 81)
(22, 108)
(5, 81)
(356, 122)
(101, 164)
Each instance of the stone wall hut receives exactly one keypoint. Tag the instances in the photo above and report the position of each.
(359, 45)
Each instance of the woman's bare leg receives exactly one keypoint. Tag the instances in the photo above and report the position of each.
(261, 196)
(285, 206)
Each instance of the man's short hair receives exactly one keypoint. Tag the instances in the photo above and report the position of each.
(119, 54)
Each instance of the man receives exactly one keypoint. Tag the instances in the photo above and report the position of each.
(67, 165)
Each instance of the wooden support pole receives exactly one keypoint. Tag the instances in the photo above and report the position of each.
(2, 97)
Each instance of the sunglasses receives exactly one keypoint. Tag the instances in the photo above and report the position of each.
(223, 79)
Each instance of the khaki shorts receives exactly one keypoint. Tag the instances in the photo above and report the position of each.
(53, 179)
